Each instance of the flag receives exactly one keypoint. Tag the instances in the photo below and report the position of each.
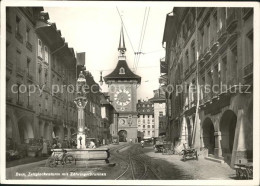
(81, 58)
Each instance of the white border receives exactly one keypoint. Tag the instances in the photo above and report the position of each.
(256, 112)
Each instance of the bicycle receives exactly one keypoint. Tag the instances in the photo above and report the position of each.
(62, 158)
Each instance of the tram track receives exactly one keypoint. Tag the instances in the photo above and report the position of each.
(137, 166)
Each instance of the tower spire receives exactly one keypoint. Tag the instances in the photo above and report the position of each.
(121, 47)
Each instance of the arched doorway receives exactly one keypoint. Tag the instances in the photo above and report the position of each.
(122, 135)
(189, 127)
(248, 138)
(25, 130)
(208, 135)
(228, 128)
(56, 132)
(46, 131)
(65, 133)
(9, 129)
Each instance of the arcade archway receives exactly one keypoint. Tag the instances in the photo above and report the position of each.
(9, 129)
(46, 131)
(57, 132)
(122, 135)
(208, 135)
(228, 128)
(25, 130)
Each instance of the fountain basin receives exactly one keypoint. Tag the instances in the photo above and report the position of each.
(87, 154)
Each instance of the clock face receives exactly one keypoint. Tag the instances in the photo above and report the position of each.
(122, 97)
(121, 121)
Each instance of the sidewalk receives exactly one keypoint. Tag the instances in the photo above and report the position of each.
(202, 169)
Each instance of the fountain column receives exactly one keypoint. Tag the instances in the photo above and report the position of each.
(81, 102)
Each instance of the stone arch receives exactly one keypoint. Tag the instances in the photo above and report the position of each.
(249, 131)
(122, 135)
(9, 127)
(72, 132)
(208, 135)
(189, 128)
(25, 129)
(66, 133)
(57, 132)
(228, 128)
(46, 133)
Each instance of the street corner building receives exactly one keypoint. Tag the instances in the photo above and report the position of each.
(41, 72)
(210, 47)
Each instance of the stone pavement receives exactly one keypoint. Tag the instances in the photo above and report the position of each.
(202, 169)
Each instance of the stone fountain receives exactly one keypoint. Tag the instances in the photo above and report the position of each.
(83, 154)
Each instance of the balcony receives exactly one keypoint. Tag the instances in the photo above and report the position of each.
(19, 71)
(232, 21)
(19, 37)
(214, 45)
(9, 65)
(207, 53)
(8, 28)
(30, 107)
(29, 46)
(9, 99)
(221, 35)
(248, 72)
(20, 103)
(247, 12)
(30, 77)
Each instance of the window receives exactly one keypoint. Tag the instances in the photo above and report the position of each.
(234, 64)
(17, 25)
(18, 92)
(27, 36)
(39, 48)
(148, 132)
(148, 126)
(208, 35)
(202, 87)
(160, 124)
(28, 65)
(122, 70)
(249, 47)
(224, 71)
(94, 109)
(160, 114)
(193, 53)
(46, 54)
(143, 126)
(153, 126)
(187, 59)
(46, 104)
(18, 57)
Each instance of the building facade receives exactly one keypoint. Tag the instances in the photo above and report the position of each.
(123, 85)
(109, 118)
(38, 63)
(209, 54)
(145, 120)
(159, 111)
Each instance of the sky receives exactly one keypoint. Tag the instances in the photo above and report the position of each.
(95, 30)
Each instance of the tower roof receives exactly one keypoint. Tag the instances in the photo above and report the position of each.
(122, 71)
(121, 46)
(127, 75)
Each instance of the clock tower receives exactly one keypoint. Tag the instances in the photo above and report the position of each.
(122, 84)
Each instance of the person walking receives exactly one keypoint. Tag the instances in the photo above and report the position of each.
(92, 145)
(44, 148)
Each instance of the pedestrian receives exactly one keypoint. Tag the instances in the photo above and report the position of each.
(44, 148)
(92, 145)
(59, 145)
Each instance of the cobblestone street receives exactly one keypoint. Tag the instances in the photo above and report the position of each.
(165, 167)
